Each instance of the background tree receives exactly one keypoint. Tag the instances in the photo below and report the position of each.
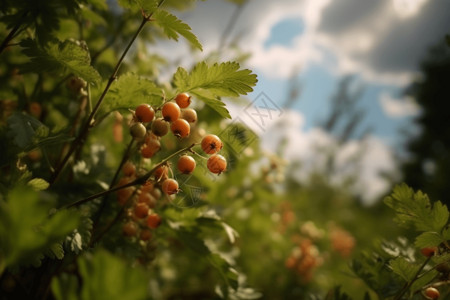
(428, 165)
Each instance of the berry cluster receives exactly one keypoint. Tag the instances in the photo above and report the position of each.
(147, 129)
(304, 259)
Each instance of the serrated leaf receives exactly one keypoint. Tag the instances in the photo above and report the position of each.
(38, 184)
(209, 83)
(415, 209)
(55, 251)
(224, 79)
(130, 90)
(173, 27)
(66, 57)
(148, 6)
(428, 239)
(404, 268)
(24, 129)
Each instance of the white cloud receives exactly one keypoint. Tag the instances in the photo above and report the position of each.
(363, 160)
(397, 108)
(382, 40)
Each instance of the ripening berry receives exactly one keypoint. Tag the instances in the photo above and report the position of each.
(432, 293)
(138, 130)
(129, 169)
(141, 210)
(170, 111)
(150, 148)
(211, 144)
(180, 128)
(216, 163)
(162, 173)
(160, 127)
(145, 235)
(189, 115)
(183, 100)
(156, 193)
(35, 109)
(170, 186)
(153, 220)
(186, 164)
(129, 228)
(144, 113)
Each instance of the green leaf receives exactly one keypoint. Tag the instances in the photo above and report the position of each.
(130, 90)
(65, 287)
(38, 184)
(106, 276)
(148, 6)
(213, 102)
(404, 268)
(63, 58)
(228, 274)
(224, 79)
(26, 228)
(24, 129)
(428, 239)
(173, 27)
(415, 209)
(209, 83)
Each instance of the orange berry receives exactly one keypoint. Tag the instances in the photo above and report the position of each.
(162, 173)
(189, 115)
(216, 163)
(211, 144)
(183, 100)
(180, 128)
(186, 164)
(144, 113)
(170, 186)
(141, 210)
(432, 293)
(129, 169)
(170, 111)
(153, 221)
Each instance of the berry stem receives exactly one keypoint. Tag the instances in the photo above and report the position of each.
(409, 284)
(137, 181)
(79, 141)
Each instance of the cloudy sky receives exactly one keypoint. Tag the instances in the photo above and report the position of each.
(378, 42)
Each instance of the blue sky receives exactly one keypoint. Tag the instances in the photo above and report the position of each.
(379, 43)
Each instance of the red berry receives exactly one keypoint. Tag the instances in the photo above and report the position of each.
(428, 251)
(180, 128)
(160, 127)
(145, 235)
(141, 210)
(150, 148)
(153, 221)
(144, 113)
(170, 186)
(216, 163)
(211, 144)
(189, 115)
(186, 164)
(129, 228)
(432, 293)
(183, 100)
(171, 111)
